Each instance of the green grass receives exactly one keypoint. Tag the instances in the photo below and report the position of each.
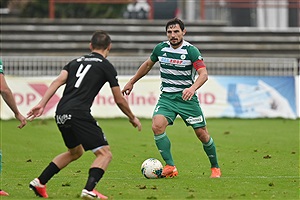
(259, 159)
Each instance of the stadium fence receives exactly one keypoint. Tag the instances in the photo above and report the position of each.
(127, 65)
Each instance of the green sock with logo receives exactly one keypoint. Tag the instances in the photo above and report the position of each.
(164, 146)
(210, 150)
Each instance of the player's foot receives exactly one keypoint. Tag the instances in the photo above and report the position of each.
(215, 172)
(101, 196)
(169, 171)
(38, 188)
(3, 193)
(87, 195)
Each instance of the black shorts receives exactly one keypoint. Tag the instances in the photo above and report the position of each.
(80, 128)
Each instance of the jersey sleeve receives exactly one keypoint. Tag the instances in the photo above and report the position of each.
(196, 58)
(154, 55)
(1, 67)
(67, 66)
(112, 75)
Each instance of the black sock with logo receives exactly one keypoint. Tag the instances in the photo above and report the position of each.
(95, 174)
(48, 173)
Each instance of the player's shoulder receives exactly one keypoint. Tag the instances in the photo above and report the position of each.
(1, 67)
(188, 45)
(163, 44)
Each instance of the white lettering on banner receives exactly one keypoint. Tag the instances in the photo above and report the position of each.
(24, 99)
(206, 98)
(213, 97)
(132, 99)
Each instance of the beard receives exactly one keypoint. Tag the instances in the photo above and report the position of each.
(175, 44)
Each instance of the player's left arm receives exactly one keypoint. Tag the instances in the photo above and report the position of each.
(188, 93)
(124, 107)
(200, 67)
(201, 79)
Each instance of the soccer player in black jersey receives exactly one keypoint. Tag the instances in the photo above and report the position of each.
(83, 78)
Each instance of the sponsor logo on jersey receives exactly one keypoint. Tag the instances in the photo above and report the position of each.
(173, 61)
(61, 119)
(80, 59)
(164, 54)
(194, 120)
(88, 59)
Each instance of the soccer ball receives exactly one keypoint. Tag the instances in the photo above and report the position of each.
(152, 168)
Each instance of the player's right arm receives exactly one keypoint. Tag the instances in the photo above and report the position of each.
(141, 72)
(39, 109)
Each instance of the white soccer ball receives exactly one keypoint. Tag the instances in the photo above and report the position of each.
(152, 168)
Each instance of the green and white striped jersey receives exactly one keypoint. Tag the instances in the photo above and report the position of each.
(1, 67)
(178, 67)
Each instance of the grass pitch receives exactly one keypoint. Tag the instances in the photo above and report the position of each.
(259, 159)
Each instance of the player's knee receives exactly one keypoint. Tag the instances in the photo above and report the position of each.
(159, 124)
(204, 138)
(78, 154)
(105, 153)
(202, 134)
(157, 129)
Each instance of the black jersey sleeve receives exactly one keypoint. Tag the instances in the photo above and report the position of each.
(112, 75)
(67, 66)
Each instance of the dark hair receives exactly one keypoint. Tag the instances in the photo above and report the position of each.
(175, 21)
(100, 40)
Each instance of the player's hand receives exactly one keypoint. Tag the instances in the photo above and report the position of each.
(127, 88)
(22, 119)
(188, 93)
(136, 123)
(35, 112)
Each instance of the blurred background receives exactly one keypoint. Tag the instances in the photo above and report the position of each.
(237, 38)
(219, 28)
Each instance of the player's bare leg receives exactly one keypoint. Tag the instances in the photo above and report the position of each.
(98, 167)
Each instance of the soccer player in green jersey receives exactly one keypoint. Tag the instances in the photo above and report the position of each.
(180, 62)
(10, 101)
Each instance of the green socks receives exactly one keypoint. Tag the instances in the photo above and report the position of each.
(164, 146)
(210, 150)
